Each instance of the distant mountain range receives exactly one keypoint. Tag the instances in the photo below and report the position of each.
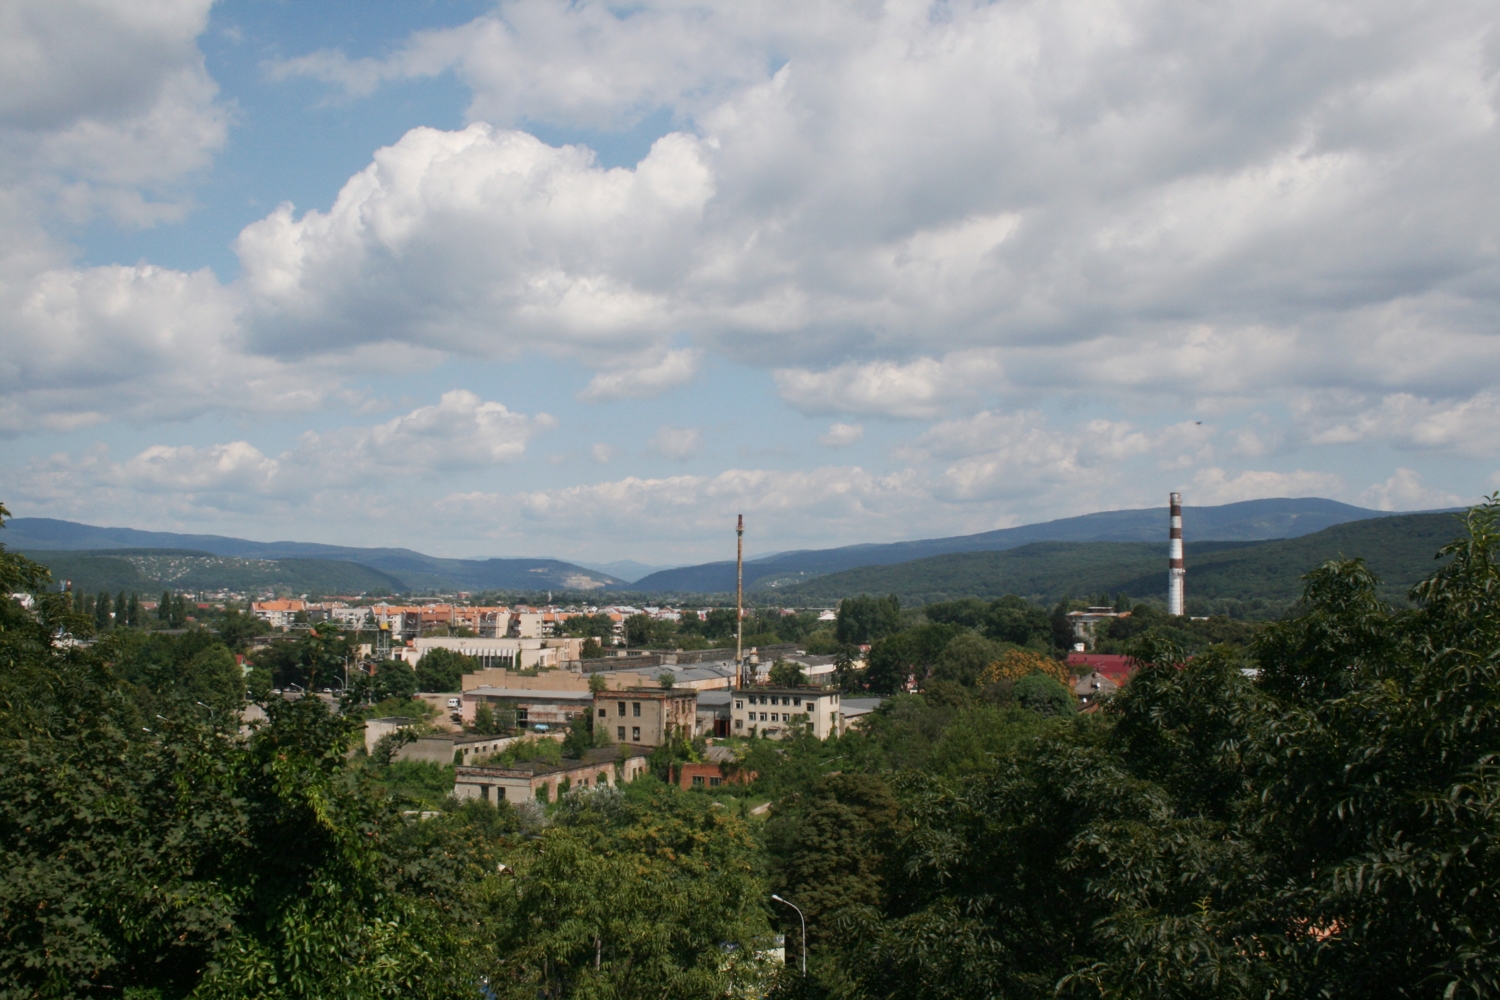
(45, 538)
(129, 559)
(1249, 520)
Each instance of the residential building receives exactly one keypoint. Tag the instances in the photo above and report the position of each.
(280, 613)
(774, 712)
(1093, 688)
(1116, 667)
(542, 782)
(645, 717)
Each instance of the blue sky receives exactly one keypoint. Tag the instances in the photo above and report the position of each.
(588, 281)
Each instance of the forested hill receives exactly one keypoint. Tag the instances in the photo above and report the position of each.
(143, 571)
(1250, 520)
(48, 539)
(1399, 549)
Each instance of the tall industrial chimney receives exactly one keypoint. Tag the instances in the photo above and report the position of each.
(1175, 572)
(739, 603)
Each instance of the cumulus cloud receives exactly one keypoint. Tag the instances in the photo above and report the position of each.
(902, 214)
(460, 432)
(921, 388)
(646, 377)
(1406, 491)
(1467, 426)
(842, 435)
(677, 442)
(1022, 458)
(1215, 486)
(104, 106)
(824, 504)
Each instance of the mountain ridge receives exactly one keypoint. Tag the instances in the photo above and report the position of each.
(1245, 520)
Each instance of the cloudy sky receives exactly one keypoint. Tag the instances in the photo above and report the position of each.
(584, 280)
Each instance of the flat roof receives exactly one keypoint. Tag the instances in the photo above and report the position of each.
(806, 692)
(540, 694)
(596, 757)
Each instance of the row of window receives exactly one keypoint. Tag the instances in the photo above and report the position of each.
(777, 699)
(635, 733)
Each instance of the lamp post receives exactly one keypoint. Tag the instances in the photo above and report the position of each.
(804, 928)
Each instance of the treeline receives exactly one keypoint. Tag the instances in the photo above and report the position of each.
(948, 648)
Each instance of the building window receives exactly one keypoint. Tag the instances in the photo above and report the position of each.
(622, 707)
(621, 731)
(697, 780)
(715, 782)
(739, 705)
(603, 779)
(763, 717)
(796, 701)
(484, 792)
(499, 793)
(739, 723)
(775, 717)
(775, 700)
(635, 734)
(635, 709)
(603, 713)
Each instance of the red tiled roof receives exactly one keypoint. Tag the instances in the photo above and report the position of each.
(1115, 666)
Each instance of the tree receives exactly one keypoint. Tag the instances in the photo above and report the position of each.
(666, 679)
(591, 650)
(237, 628)
(442, 669)
(584, 914)
(719, 624)
(484, 721)
(1014, 664)
(102, 619)
(394, 679)
(1044, 695)
(787, 674)
(964, 658)
(597, 683)
(866, 619)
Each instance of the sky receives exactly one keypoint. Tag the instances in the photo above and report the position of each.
(587, 281)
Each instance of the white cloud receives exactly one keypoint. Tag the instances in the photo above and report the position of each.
(647, 377)
(921, 388)
(460, 432)
(1406, 491)
(1020, 458)
(1466, 426)
(104, 106)
(824, 504)
(601, 453)
(1215, 486)
(677, 442)
(842, 435)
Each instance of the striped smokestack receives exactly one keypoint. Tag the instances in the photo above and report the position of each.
(1175, 571)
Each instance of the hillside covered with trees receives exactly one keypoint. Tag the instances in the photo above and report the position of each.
(1398, 549)
(1326, 826)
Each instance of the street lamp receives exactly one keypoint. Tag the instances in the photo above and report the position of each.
(210, 712)
(804, 928)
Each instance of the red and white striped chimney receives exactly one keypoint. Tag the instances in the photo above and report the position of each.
(1175, 571)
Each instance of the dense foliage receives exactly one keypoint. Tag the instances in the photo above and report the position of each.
(1312, 813)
